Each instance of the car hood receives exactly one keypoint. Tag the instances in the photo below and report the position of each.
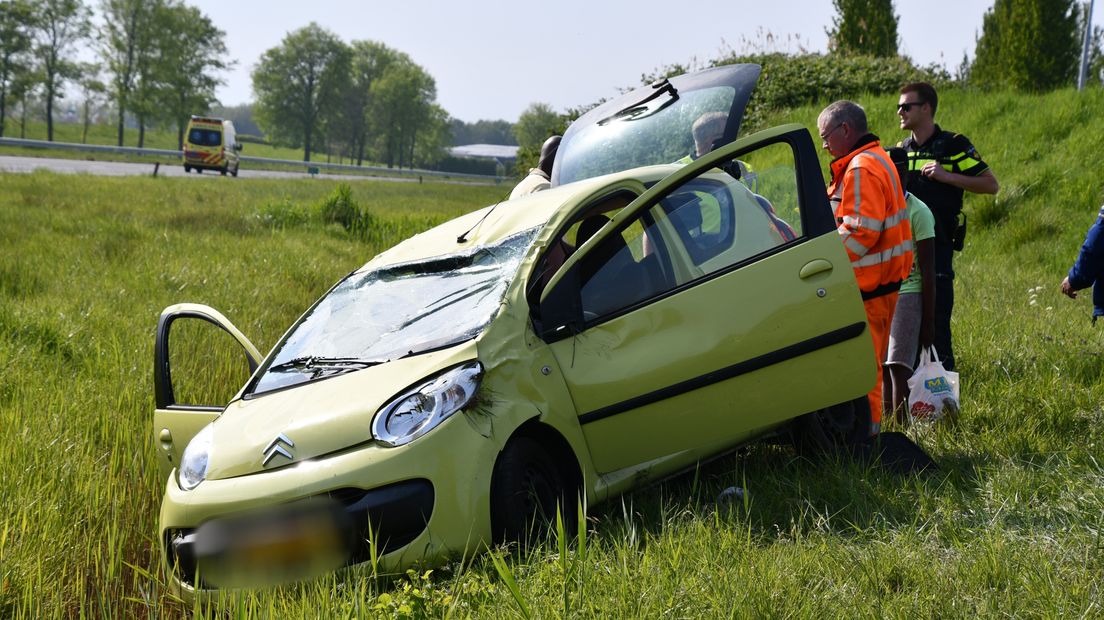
(316, 418)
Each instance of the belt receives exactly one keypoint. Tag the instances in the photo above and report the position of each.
(879, 291)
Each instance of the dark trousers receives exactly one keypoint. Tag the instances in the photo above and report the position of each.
(944, 304)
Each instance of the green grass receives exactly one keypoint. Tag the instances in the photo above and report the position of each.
(1010, 526)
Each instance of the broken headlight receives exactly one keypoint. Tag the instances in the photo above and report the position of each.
(420, 409)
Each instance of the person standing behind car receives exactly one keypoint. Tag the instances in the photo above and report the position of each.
(913, 324)
(873, 223)
(942, 166)
(1089, 268)
(539, 178)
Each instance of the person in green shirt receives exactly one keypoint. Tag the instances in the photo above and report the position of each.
(913, 326)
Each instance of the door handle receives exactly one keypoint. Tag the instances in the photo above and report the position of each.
(814, 267)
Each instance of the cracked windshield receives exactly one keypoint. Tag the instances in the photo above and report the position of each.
(399, 310)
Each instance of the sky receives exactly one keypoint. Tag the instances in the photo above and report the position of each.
(493, 58)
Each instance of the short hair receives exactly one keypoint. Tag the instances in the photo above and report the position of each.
(925, 91)
(846, 112)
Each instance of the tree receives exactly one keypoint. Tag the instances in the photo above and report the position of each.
(298, 85)
(184, 74)
(370, 60)
(403, 106)
(61, 24)
(124, 43)
(1028, 45)
(16, 32)
(482, 132)
(867, 27)
(91, 89)
(533, 127)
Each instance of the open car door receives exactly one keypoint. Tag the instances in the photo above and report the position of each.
(717, 305)
(197, 362)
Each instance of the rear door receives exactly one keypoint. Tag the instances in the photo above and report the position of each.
(200, 362)
(711, 308)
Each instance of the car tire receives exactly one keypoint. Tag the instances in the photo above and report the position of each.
(223, 170)
(235, 172)
(828, 430)
(187, 169)
(526, 490)
(199, 170)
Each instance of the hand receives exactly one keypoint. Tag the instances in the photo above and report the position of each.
(1068, 290)
(935, 172)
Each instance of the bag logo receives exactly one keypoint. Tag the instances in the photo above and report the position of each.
(937, 385)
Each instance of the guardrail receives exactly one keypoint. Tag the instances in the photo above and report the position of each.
(305, 166)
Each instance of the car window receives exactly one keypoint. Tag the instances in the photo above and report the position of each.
(205, 137)
(729, 214)
(743, 209)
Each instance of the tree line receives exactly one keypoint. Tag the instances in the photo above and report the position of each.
(363, 100)
(158, 59)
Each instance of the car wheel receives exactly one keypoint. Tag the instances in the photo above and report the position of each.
(526, 490)
(223, 170)
(235, 172)
(187, 169)
(832, 428)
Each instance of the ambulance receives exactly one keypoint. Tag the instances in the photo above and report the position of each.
(210, 144)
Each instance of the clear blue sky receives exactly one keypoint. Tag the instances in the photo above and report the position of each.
(492, 58)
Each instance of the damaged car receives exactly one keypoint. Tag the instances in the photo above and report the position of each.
(677, 292)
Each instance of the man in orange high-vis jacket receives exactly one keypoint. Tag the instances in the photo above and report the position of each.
(873, 223)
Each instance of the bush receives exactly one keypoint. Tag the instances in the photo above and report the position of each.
(340, 208)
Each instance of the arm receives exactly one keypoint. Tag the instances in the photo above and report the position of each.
(984, 183)
(926, 251)
(1090, 263)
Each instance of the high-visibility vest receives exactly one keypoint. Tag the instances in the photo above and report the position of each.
(872, 218)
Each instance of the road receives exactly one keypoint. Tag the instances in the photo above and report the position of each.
(119, 169)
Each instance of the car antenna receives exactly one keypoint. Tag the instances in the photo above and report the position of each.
(464, 236)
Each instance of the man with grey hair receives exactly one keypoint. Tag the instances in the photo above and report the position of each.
(872, 221)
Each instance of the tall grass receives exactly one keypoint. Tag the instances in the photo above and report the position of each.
(1009, 526)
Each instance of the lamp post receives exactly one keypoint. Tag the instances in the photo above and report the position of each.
(1085, 48)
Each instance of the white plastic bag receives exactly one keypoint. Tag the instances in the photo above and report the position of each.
(933, 391)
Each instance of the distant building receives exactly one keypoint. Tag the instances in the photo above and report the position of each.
(503, 153)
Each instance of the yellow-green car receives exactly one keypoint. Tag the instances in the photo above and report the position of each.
(662, 303)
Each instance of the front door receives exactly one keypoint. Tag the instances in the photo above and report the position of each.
(198, 367)
(718, 304)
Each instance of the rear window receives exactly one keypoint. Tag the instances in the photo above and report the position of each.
(205, 137)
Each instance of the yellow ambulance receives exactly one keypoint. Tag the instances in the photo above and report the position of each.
(210, 144)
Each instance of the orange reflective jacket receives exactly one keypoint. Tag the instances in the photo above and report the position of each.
(872, 219)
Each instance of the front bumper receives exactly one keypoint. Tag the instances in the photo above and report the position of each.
(421, 502)
(343, 527)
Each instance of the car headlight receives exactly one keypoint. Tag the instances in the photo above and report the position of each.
(422, 408)
(193, 465)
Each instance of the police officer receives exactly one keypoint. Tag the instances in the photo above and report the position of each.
(942, 165)
(1089, 268)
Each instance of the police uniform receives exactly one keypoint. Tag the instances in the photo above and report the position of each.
(956, 154)
(1089, 268)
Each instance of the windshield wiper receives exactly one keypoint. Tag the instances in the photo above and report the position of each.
(639, 109)
(320, 365)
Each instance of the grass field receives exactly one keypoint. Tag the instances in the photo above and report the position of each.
(1011, 525)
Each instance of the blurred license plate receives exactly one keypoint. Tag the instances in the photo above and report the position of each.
(283, 544)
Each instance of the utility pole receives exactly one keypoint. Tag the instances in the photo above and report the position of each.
(1085, 48)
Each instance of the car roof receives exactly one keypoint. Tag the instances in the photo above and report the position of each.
(494, 223)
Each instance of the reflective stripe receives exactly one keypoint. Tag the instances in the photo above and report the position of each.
(858, 194)
(957, 157)
(968, 163)
(916, 164)
(871, 223)
(855, 247)
(884, 257)
(889, 168)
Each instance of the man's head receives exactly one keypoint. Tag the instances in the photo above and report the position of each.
(917, 105)
(899, 156)
(841, 125)
(548, 154)
(706, 130)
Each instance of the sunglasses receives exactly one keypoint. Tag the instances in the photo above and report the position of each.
(907, 107)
